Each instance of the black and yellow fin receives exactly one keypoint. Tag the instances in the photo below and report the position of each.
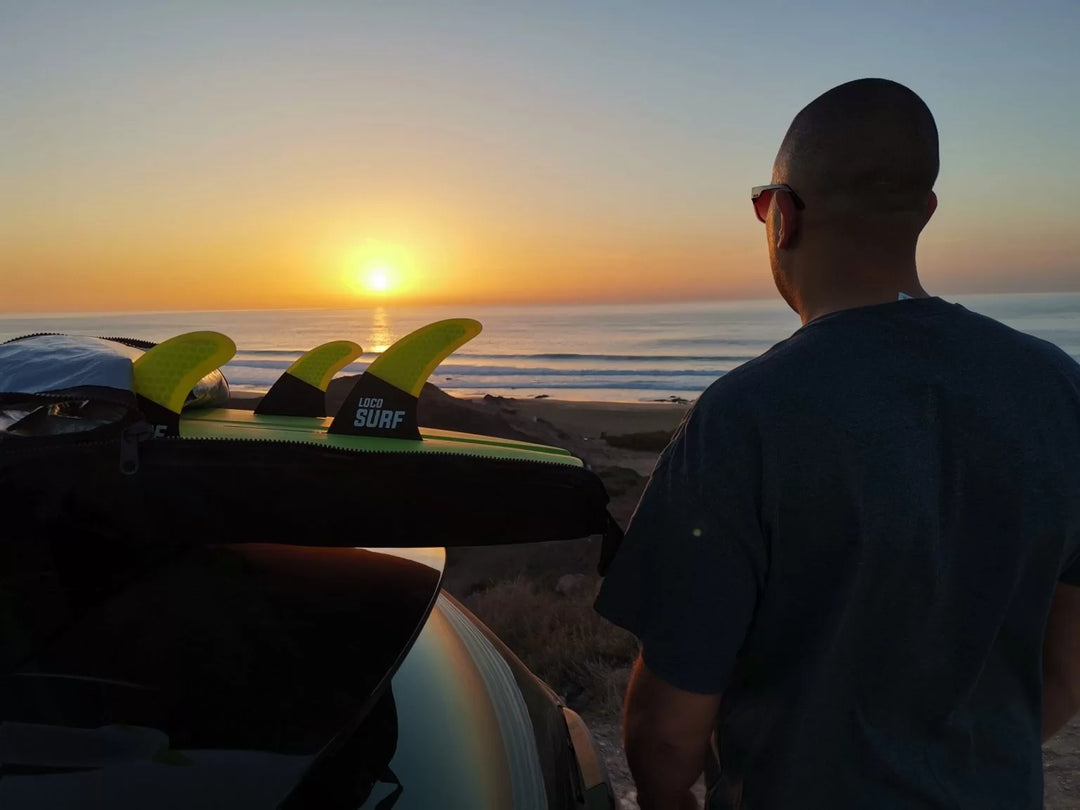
(383, 401)
(166, 373)
(301, 389)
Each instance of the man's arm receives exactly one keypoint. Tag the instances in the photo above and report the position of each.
(1061, 660)
(666, 733)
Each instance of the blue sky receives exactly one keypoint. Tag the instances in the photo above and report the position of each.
(508, 151)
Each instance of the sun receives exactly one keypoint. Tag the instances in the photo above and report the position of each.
(378, 271)
(379, 279)
(375, 278)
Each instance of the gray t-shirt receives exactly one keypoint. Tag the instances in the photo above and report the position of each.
(855, 538)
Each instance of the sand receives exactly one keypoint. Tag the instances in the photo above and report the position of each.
(595, 419)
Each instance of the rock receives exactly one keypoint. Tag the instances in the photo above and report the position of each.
(619, 480)
(437, 409)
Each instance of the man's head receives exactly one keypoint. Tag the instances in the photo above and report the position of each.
(861, 161)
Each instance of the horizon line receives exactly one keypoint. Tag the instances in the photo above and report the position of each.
(549, 304)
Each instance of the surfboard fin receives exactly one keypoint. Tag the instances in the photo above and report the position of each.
(166, 373)
(301, 389)
(383, 401)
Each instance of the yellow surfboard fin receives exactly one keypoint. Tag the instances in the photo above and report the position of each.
(383, 401)
(409, 362)
(301, 389)
(319, 365)
(166, 373)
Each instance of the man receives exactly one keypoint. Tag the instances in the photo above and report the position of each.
(856, 566)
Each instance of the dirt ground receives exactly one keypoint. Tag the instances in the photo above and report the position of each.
(1061, 769)
(1061, 765)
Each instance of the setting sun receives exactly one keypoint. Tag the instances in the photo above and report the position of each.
(379, 279)
(378, 269)
(374, 278)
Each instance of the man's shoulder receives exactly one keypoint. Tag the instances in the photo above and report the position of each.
(923, 334)
(745, 383)
(1003, 335)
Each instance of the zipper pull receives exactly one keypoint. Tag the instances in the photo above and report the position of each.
(129, 446)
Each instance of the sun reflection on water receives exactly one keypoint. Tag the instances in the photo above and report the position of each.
(380, 337)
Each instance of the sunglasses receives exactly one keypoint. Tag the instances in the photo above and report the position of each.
(761, 197)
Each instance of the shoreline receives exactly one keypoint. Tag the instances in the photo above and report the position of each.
(589, 419)
(595, 418)
(256, 393)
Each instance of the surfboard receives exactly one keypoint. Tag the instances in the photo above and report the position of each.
(225, 471)
(379, 413)
(238, 424)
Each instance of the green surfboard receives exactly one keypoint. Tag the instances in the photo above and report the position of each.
(221, 423)
(395, 378)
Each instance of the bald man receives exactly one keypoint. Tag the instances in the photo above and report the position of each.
(855, 569)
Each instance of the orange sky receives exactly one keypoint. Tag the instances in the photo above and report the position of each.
(154, 159)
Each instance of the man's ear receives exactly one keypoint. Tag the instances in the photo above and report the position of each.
(789, 220)
(931, 206)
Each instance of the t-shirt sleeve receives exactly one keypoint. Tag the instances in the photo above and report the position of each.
(1071, 574)
(687, 577)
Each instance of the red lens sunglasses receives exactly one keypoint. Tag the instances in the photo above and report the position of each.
(761, 197)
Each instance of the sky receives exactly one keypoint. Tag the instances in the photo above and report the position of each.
(243, 155)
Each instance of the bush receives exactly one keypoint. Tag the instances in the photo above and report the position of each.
(561, 639)
(652, 441)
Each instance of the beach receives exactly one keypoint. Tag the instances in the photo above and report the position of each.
(621, 442)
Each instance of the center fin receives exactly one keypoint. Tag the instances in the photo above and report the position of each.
(301, 389)
(383, 401)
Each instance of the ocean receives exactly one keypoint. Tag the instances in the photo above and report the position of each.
(617, 353)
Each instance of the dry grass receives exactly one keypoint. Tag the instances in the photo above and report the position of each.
(561, 639)
(652, 441)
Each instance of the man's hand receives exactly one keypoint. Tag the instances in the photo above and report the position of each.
(1061, 661)
(666, 733)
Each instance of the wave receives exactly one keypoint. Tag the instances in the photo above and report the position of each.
(455, 371)
(760, 344)
(288, 355)
(517, 371)
(586, 384)
(478, 386)
(610, 358)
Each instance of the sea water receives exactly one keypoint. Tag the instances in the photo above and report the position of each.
(627, 353)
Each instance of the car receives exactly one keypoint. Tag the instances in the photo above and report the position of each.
(274, 676)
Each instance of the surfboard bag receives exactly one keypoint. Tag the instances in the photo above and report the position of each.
(178, 491)
(72, 384)
(77, 455)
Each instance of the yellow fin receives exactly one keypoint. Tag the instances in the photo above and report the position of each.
(166, 373)
(409, 362)
(318, 366)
